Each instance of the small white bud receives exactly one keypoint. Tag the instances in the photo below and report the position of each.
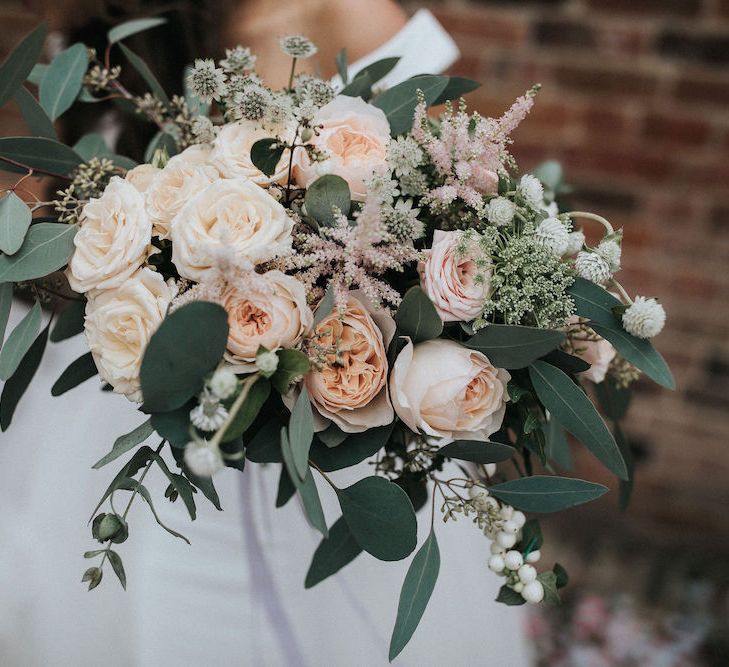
(223, 383)
(203, 459)
(267, 363)
(490, 469)
(506, 540)
(534, 556)
(506, 512)
(533, 592)
(497, 549)
(510, 527)
(513, 560)
(575, 241)
(477, 491)
(527, 574)
(518, 587)
(518, 518)
(496, 564)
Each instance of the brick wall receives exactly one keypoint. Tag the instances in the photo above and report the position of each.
(634, 105)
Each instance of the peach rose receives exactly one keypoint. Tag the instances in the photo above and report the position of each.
(113, 241)
(182, 178)
(355, 136)
(448, 391)
(274, 317)
(449, 279)
(141, 176)
(598, 353)
(119, 323)
(232, 153)
(351, 390)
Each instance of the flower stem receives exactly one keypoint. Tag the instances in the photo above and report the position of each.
(291, 75)
(614, 283)
(238, 403)
(592, 216)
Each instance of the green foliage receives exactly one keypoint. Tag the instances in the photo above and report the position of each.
(62, 80)
(399, 102)
(19, 342)
(356, 448)
(477, 451)
(138, 64)
(18, 65)
(613, 398)
(77, 372)
(174, 426)
(38, 153)
(568, 363)
(286, 488)
(417, 317)
(514, 346)
(47, 247)
(561, 578)
(37, 120)
(333, 553)
(381, 518)
(325, 307)
(301, 433)
(265, 446)
(93, 576)
(597, 304)
(161, 140)
(545, 493)
(378, 69)
(510, 597)
(324, 195)
(531, 536)
(548, 580)
(341, 61)
(266, 154)
(456, 87)
(6, 302)
(126, 442)
(118, 567)
(569, 405)
(69, 322)
(252, 405)
(179, 484)
(129, 28)
(550, 174)
(312, 504)
(292, 364)
(360, 86)
(93, 145)
(187, 346)
(415, 594)
(557, 447)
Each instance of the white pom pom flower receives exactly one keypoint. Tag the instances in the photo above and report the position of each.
(223, 383)
(500, 211)
(203, 459)
(591, 266)
(644, 318)
(575, 241)
(611, 252)
(553, 235)
(531, 190)
(209, 415)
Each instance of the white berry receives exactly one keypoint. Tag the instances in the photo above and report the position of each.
(510, 527)
(513, 560)
(497, 549)
(506, 540)
(496, 564)
(518, 518)
(533, 592)
(490, 469)
(527, 574)
(518, 587)
(506, 512)
(534, 556)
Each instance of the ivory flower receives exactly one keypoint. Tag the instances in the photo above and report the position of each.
(598, 353)
(120, 322)
(142, 175)
(351, 390)
(182, 178)
(113, 240)
(448, 391)
(449, 279)
(233, 221)
(355, 137)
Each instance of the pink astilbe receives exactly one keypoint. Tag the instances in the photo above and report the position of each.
(469, 151)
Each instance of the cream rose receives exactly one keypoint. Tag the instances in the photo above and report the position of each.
(231, 220)
(355, 136)
(113, 240)
(351, 390)
(274, 317)
(593, 349)
(182, 178)
(232, 153)
(141, 176)
(448, 391)
(120, 322)
(450, 280)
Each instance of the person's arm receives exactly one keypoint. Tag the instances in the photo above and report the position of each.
(360, 25)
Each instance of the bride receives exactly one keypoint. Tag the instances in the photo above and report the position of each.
(236, 595)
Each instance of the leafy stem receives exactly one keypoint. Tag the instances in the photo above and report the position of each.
(237, 404)
(592, 216)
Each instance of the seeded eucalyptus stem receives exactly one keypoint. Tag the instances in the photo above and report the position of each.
(237, 404)
(592, 216)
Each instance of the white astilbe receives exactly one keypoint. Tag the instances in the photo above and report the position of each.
(644, 318)
(207, 81)
(553, 235)
(404, 155)
(591, 266)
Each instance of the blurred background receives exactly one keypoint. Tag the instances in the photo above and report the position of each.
(635, 107)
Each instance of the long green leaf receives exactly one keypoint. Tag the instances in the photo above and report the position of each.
(130, 484)
(18, 65)
(417, 317)
(47, 247)
(356, 448)
(257, 396)
(129, 28)
(179, 483)
(415, 594)
(126, 442)
(118, 567)
(19, 342)
(6, 301)
(286, 488)
(15, 217)
(333, 553)
(146, 73)
(378, 69)
(69, 322)
(174, 426)
(543, 493)
(34, 115)
(312, 504)
(61, 83)
(301, 432)
(399, 102)
(38, 153)
(477, 452)
(79, 371)
(569, 405)
(457, 87)
(512, 347)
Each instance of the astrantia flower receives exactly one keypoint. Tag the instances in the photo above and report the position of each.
(203, 459)
(591, 266)
(209, 415)
(644, 318)
(610, 251)
(207, 81)
(553, 235)
(575, 242)
(500, 211)
(312, 90)
(531, 190)
(238, 60)
(404, 155)
(204, 130)
(251, 103)
(297, 46)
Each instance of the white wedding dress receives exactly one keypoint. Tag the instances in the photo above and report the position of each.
(235, 596)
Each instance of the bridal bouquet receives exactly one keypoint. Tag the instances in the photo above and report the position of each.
(319, 276)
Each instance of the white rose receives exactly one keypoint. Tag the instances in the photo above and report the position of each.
(182, 178)
(230, 220)
(120, 322)
(448, 391)
(113, 240)
(232, 153)
(141, 176)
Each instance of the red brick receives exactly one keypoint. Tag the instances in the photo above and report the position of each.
(638, 7)
(598, 81)
(696, 89)
(684, 130)
(491, 28)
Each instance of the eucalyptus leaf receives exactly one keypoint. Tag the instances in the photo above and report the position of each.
(79, 371)
(179, 483)
(545, 493)
(47, 247)
(415, 594)
(378, 69)
(557, 448)
(341, 61)
(174, 426)
(360, 86)
(510, 597)
(257, 396)
(126, 442)
(19, 341)
(130, 484)
(6, 302)
(355, 449)
(146, 73)
(286, 488)
(129, 28)
(512, 347)
(456, 87)
(569, 405)
(19, 64)
(301, 432)
(265, 446)
(160, 140)
(332, 435)
(205, 484)
(38, 153)
(34, 115)
(292, 364)
(36, 74)
(333, 553)
(69, 322)
(312, 504)
(569, 363)
(381, 518)
(324, 307)
(399, 102)
(477, 451)
(417, 317)
(288, 458)
(118, 567)
(266, 154)
(15, 217)
(62, 80)
(186, 347)
(325, 194)
(613, 399)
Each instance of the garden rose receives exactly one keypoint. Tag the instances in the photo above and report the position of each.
(355, 136)
(182, 178)
(231, 220)
(351, 390)
(448, 391)
(598, 353)
(141, 176)
(274, 317)
(119, 323)
(232, 153)
(449, 279)
(113, 240)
